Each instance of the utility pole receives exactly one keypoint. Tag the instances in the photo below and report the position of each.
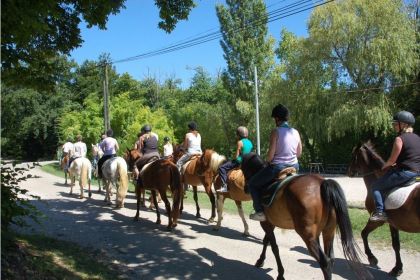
(257, 112)
(107, 123)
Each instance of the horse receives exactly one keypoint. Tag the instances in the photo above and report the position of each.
(114, 173)
(368, 163)
(311, 205)
(80, 169)
(236, 184)
(97, 153)
(201, 170)
(157, 176)
(64, 166)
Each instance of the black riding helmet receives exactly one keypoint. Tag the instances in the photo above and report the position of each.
(280, 112)
(109, 132)
(146, 128)
(192, 126)
(166, 139)
(404, 117)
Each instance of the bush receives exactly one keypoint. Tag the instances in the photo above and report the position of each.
(15, 205)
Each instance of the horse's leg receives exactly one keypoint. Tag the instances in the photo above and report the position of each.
(219, 204)
(370, 226)
(242, 215)
(312, 243)
(81, 188)
(398, 268)
(270, 238)
(143, 198)
(153, 194)
(328, 234)
(65, 177)
(207, 187)
(138, 198)
(165, 199)
(197, 214)
(90, 193)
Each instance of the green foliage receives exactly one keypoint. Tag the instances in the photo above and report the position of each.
(15, 205)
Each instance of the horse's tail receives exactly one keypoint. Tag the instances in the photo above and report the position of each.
(123, 183)
(84, 173)
(333, 195)
(177, 192)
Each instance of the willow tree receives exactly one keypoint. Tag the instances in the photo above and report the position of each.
(338, 79)
(245, 43)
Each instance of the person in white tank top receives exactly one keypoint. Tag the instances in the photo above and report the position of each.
(79, 149)
(192, 144)
(284, 150)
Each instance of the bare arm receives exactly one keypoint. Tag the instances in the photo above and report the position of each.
(299, 148)
(273, 144)
(185, 143)
(396, 150)
(238, 148)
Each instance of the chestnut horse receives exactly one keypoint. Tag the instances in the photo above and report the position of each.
(157, 176)
(200, 171)
(236, 184)
(311, 205)
(64, 166)
(366, 162)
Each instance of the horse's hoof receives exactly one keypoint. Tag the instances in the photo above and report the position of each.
(280, 277)
(395, 272)
(216, 228)
(136, 218)
(81, 197)
(373, 261)
(246, 234)
(198, 216)
(259, 263)
(90, 195)
(158, 222)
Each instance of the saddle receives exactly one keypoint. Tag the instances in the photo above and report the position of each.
(282, 178)
(397, 196)
(188, 162)
(147, 162)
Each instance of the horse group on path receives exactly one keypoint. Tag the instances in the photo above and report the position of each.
(309, 204)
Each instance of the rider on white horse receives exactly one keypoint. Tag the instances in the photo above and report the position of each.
(110, 147)
(79, 149)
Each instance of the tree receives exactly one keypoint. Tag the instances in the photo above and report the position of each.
(245, 44)
(35, 33)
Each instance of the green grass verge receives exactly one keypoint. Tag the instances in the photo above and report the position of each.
(359, 217)
(40, 257)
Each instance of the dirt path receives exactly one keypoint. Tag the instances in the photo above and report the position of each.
(193, 250)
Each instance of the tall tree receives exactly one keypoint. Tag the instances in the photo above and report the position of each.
(34, 33)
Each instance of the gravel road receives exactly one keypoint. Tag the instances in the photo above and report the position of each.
(193, 250)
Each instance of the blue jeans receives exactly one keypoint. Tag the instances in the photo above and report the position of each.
(391, 179)
(261, 179)
(225, 168)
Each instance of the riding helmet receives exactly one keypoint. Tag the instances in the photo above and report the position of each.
(404, 117)
(242, 131)
(146, 128)
(166, 139)
(280, 112)
(109, 132)
(192, 126)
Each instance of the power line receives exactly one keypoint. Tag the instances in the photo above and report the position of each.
(274, 15)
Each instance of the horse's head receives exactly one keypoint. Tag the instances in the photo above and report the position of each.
(251, 164)
(364, 160)
(210, 161)
(131, 156)
(178, 152)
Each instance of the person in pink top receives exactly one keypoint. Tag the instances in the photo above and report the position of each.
(110, 147)
(284, 150)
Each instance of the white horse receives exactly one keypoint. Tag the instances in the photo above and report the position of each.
(114, 173)
(81, 170)
(97, 153)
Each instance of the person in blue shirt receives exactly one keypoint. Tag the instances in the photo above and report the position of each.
(243, 146)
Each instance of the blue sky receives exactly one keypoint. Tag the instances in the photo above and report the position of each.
(134, 31)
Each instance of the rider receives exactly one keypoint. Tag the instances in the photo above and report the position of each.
(243, 146)
(284, 150)
(168, 149)
(67, 149)
(79, 149)
(110, 147)
(147, 145)
(402, 165)
(192, 144)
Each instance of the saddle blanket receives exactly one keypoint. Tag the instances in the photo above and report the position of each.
(270, 192)
(398, 196)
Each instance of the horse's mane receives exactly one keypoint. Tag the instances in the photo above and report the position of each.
(370, 148)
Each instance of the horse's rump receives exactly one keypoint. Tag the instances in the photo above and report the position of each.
(157, 174)
(291, 201)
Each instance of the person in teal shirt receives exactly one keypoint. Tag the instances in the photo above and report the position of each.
(244, 146)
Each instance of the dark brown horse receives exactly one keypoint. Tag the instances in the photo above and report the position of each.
(311, 205)
(201, 170)
(157, 176)
(236, 184)
(367, 163)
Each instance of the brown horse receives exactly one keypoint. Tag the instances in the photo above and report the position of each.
(366, 162)
(201, 170)
(236, 184)
(64, 166)
(310, 205)
(157, 176)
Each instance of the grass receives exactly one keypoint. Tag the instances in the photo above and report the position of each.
(359, 217)
(40, 257)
